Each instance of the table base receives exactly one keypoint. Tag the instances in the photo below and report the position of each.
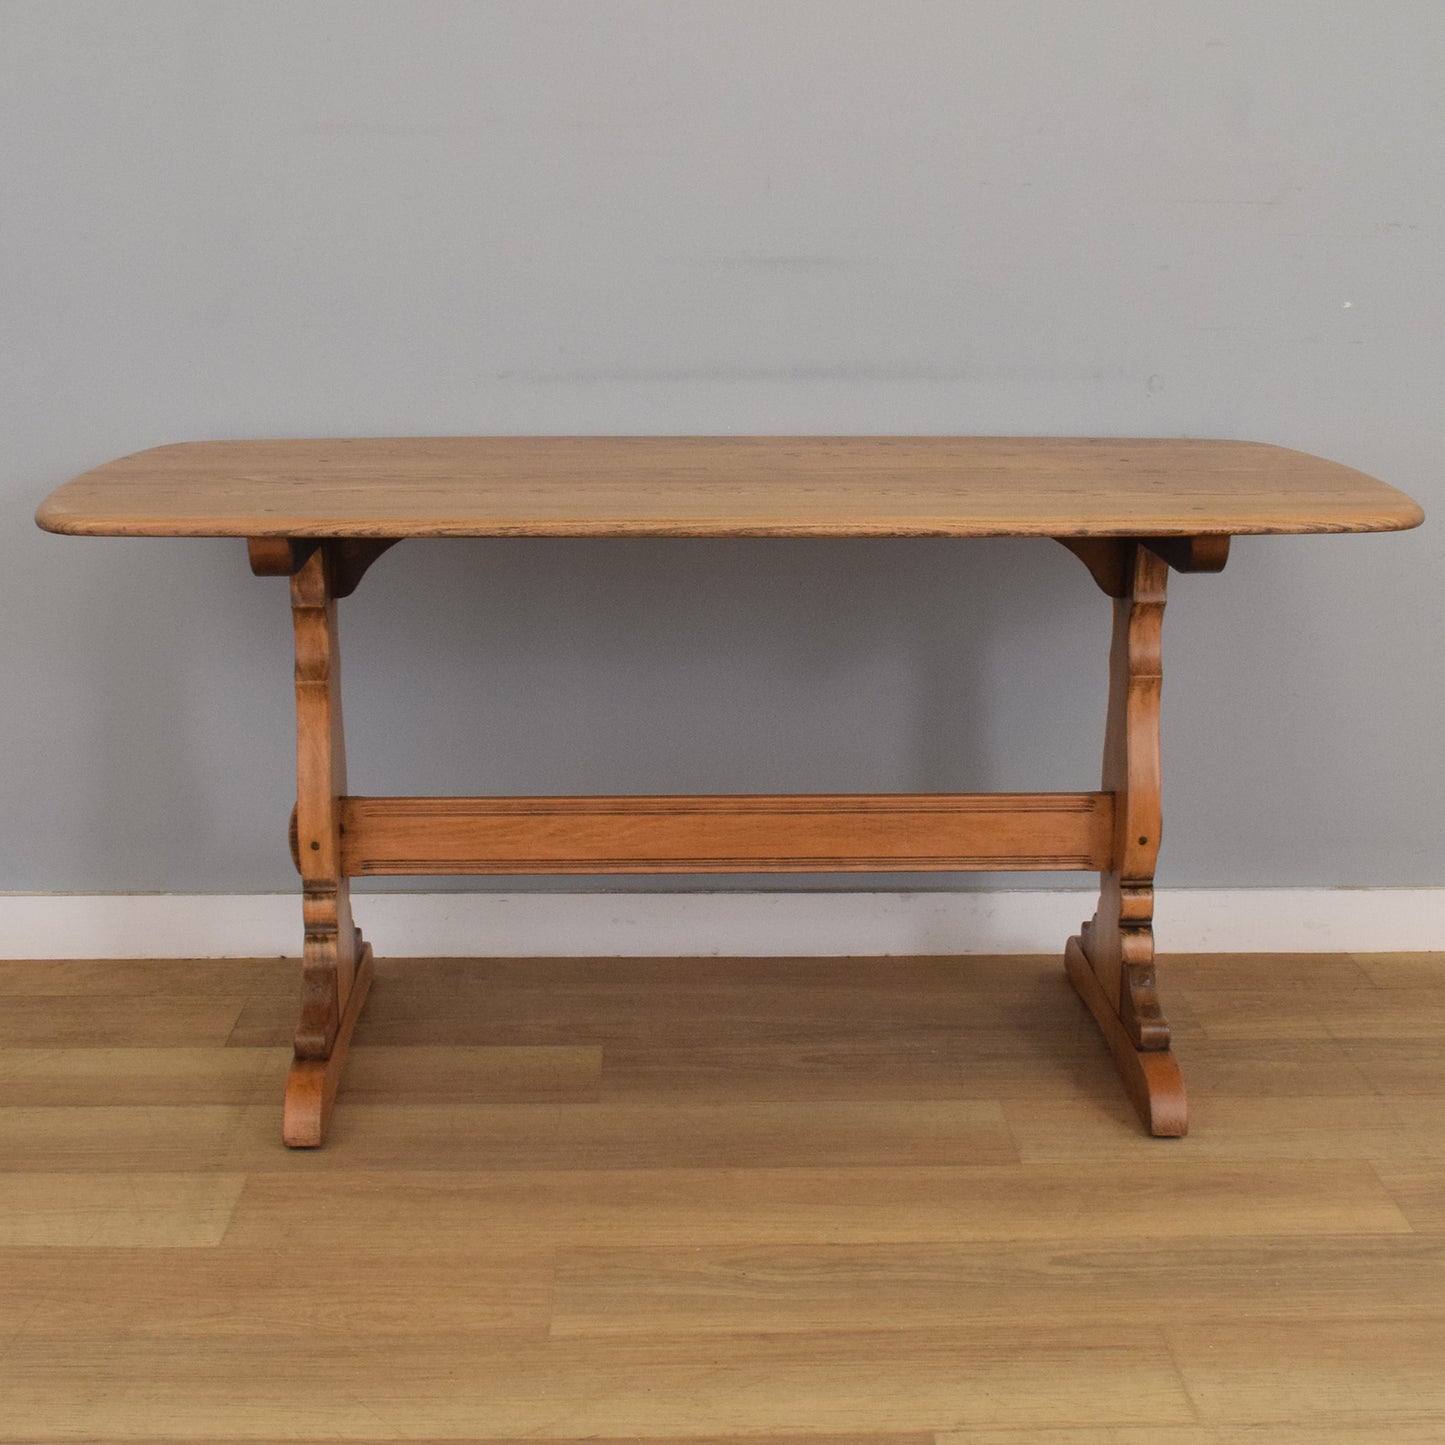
(1114, 831)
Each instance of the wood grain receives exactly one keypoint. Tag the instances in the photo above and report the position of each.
(975, 1065)
(131, 1138)
(1151, 1077)
(146, 977)
(240, 1293)
(332, 945)
(423, 1074)
(799, 1289)
(722, 487)
(117, 1208)
(1314, 1371)
(1415, 1069)
(938, 1003)
(1111, 963)
(679, 1220)
(1420, 1194)
(1382, 1428)
(99, 1020)
(727, 834)
(463, 1387)
(312, 1084)
(81, 1077)
(1362, 1126)
(605, 1136)
(1119, 941)
(696, 1208)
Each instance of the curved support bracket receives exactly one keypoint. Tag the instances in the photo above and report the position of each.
(348, 558)
(1191, 554)
(1107, 559)
(1110, 559)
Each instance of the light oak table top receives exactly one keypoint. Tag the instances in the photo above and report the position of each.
(723, 487)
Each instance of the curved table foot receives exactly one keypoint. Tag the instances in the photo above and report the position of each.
(1151, 1076)
(312, 1083)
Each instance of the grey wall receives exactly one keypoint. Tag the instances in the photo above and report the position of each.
(1008, 216)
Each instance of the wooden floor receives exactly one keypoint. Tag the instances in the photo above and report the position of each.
(879, 1200)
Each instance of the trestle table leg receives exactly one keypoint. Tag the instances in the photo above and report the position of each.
(1111, 963)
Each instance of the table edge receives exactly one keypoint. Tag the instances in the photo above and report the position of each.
(1397, 511)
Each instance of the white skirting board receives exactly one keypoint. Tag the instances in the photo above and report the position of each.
(752, 924)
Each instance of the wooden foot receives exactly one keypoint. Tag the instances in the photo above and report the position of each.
(1151, 1076)
(312, 1083)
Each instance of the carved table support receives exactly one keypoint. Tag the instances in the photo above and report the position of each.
(1111, 964)
(336, 968)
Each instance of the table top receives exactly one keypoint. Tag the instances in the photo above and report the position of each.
(745, 486)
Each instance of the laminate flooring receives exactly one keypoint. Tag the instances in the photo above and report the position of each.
(882, 1201)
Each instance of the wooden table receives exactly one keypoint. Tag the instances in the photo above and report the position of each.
(321, 512)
